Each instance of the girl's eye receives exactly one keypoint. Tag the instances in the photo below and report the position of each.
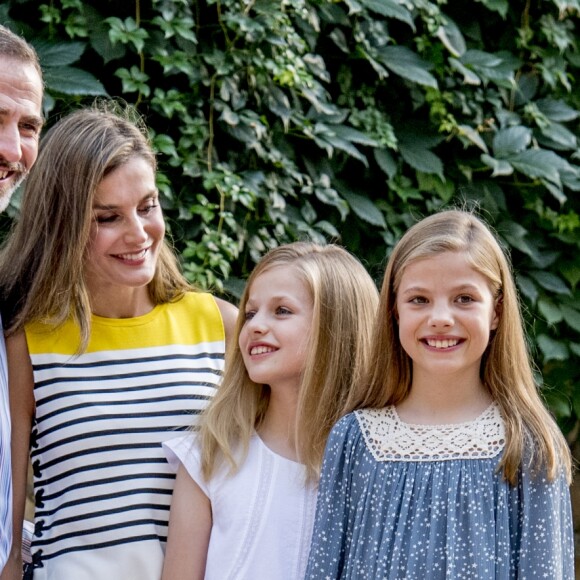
(418, 300)
(464, 299)
(249, 315)
(282, 310)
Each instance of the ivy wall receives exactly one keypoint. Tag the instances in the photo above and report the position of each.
(346, 120)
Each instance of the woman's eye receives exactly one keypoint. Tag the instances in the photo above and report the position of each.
(148, 208)
(106, 219)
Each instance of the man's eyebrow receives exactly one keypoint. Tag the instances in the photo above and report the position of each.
(35, 120)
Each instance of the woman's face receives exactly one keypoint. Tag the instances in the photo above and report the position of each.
(127, 230)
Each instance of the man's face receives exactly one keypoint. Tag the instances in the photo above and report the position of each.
(20, 123)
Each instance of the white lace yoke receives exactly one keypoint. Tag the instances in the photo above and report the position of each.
(390, 439)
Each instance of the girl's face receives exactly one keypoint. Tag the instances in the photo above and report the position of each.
(275, 336)
(127, 230)
(446, 312)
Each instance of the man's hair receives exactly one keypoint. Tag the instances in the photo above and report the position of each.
(14, 46)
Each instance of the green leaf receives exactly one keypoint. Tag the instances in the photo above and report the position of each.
(550, 282)
(469, 77)
(527, 288)
(59, 54)
(571, 272)
(572, 317)
(499, 6)
(575, 348)
(552, 349)
(551, 313)
(473, 136)
(516, 236)
(352, 135)
(561, 136)
(72, 81)
(537, 163)
(407, 64)
(421, 159)
(386, 162)
(499, 166)
(364, 208)
(557, 110)
(481, 59)
(390, 9)
(511, 140)
(451, 37)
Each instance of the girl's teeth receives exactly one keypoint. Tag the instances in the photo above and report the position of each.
(261, 349)
(442, 343)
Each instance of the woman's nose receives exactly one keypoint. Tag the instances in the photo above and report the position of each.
(135, 232)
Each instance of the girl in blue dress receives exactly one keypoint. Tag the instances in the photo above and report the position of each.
(450, 466)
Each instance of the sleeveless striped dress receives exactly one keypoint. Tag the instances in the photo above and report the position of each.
(102, 484)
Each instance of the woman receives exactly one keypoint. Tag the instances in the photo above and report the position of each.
(110, 352)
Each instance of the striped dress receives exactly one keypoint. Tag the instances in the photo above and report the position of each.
(102, 484)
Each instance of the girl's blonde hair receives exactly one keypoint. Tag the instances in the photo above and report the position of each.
(345, 299)
(506, 368)
(42, 261)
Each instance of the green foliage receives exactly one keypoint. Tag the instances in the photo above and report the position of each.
(346, 120)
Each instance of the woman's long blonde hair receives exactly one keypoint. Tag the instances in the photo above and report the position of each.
(345, 299)
(42, 261)
(506, 368)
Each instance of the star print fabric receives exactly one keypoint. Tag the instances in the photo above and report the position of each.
(399, 501)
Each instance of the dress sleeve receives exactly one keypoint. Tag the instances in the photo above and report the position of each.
(332, 530)
(184, 450)
(546, 529)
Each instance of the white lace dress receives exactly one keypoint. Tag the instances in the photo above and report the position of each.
(403, 501)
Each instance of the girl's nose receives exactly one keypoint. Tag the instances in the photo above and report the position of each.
(257, 324)
(440, 316)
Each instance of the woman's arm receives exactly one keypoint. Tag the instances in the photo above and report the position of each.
(21, 387)
(229, 315)
(190, 522)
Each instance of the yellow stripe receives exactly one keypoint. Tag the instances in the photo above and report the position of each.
(193, 319)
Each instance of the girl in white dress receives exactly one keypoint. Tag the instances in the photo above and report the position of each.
(244, 501)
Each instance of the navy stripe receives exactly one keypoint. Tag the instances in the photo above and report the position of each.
(121, 389)
(119, 542)
(104, 433)
(118, 377)
(127, 361)
(97, 482)
(42, 513)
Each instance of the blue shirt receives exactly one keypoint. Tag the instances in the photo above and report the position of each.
(408, 501)
(5, 475)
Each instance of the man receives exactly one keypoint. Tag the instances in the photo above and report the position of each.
(21, 92)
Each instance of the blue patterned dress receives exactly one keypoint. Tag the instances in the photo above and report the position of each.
(402, 501)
